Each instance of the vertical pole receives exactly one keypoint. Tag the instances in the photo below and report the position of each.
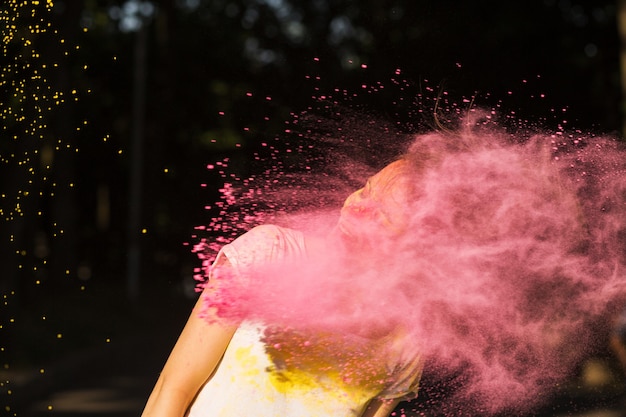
(621, 26)
(136, 163)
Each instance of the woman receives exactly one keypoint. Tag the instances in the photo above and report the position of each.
(220, 368)
(483, 254)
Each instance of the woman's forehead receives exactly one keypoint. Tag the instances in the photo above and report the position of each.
(391, 174)
(393, 181)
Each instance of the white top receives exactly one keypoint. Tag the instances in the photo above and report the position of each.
(270, 373)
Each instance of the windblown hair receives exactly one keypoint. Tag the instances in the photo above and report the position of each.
(519, 248)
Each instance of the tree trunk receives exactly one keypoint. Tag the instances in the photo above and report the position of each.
(136, 163)
(621, 25)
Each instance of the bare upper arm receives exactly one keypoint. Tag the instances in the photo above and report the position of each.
(380, 408)
(198, 349)
(193, 359)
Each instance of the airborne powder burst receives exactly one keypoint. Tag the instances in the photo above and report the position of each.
(509, 266)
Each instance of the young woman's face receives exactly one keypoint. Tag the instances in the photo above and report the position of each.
(380, 208)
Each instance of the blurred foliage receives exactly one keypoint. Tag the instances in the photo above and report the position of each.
(223, 75)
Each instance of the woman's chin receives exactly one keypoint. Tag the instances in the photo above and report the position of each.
(351, 240)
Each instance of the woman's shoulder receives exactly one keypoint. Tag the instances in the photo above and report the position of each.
(266, 243)
(268, 234)
(270, 229)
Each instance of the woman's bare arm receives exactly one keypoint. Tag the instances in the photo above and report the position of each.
(193, 359)
(380, 408)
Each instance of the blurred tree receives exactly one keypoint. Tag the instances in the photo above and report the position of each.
(222, 75)
(212, 64)
(621, 24)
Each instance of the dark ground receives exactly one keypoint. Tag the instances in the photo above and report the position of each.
(106, 360)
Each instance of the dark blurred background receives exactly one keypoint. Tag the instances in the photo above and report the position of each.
(112, 110)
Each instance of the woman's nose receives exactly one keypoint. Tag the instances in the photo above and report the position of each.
(355, 197)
